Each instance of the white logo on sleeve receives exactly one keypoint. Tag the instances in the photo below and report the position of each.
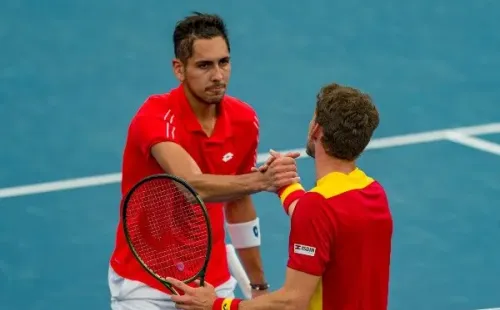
(304, 249)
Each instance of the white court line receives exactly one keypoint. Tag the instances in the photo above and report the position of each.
(381, 143)
(474, 142)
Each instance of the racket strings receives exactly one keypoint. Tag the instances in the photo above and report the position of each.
(167, 229)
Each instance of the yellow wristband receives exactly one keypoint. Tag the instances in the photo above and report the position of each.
(288, 190)
(226, 304)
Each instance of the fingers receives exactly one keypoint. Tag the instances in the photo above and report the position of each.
(293, 155)
(270, 160)
(283, 172)
(180, 285)
(276, 155)
(181, 299)
(206, 284)
(285, 179)
(284, 163)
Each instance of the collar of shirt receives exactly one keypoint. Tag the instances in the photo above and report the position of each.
(356, 175)
(222, 129)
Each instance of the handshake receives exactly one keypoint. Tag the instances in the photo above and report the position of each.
(278, 171)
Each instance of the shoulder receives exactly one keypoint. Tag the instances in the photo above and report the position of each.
(313, 210)
(311, 205)
(312, 197)
(240, 110)
(155, 105)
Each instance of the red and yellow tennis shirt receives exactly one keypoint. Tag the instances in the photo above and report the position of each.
(341, 230)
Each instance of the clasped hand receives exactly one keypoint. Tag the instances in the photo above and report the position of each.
(279, 170)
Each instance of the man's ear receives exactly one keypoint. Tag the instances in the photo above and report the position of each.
(178, 68)
(315, 131)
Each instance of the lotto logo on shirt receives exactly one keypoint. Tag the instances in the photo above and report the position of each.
(304, 249)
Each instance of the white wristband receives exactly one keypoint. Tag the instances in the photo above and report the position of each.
(245, 235)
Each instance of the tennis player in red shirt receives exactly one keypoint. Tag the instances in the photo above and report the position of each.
(341, 230)
(210, 139)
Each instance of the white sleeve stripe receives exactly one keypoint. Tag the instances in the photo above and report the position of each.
(170, 128)
(166, 115)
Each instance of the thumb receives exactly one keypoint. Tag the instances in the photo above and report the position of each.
(274, 153)
(292, 154)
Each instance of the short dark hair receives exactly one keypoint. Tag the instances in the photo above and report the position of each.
(197, 26)
(348, 119)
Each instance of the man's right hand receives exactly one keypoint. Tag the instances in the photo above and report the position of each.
(281, 171)
(272, 157)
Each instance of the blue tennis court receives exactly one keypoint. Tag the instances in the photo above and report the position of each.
(72, 73)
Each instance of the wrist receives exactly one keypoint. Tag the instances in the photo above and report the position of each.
(261, 182)
(261, 286)
(226, 303)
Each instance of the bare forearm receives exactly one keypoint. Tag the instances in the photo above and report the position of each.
(252, 263)
(243, 211)
(221, 188)
(278, 300)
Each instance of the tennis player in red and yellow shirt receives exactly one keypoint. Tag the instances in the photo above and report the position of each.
(341, 230)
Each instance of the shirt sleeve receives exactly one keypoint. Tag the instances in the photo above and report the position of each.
(148, 129)
(311, 235)
(250, 159)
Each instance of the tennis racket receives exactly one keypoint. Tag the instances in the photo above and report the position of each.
(167, 227)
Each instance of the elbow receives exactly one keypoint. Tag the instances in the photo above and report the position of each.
(198, 183)
(195, 182)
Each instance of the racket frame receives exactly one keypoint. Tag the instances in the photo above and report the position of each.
(201, 273)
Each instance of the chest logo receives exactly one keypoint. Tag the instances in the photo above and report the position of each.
(227, 157)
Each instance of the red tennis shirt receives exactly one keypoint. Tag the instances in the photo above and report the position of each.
(341, 231)
(230, 150)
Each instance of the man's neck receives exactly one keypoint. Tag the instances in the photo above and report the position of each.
(204, 112)
(326, 164)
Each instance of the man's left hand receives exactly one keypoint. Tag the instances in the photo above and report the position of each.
(194, 298)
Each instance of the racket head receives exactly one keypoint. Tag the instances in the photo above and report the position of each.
(167, 228)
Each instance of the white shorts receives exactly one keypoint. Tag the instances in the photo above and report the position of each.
(133, 295)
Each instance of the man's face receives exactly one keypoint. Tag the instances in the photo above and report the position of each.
(207, 71)
(310, 148)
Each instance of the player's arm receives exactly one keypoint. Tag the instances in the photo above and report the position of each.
(177, 161)
(242, 221)
(311, 237)
(244, 229)
(289, 195)
(296, 293)
(157, 138)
